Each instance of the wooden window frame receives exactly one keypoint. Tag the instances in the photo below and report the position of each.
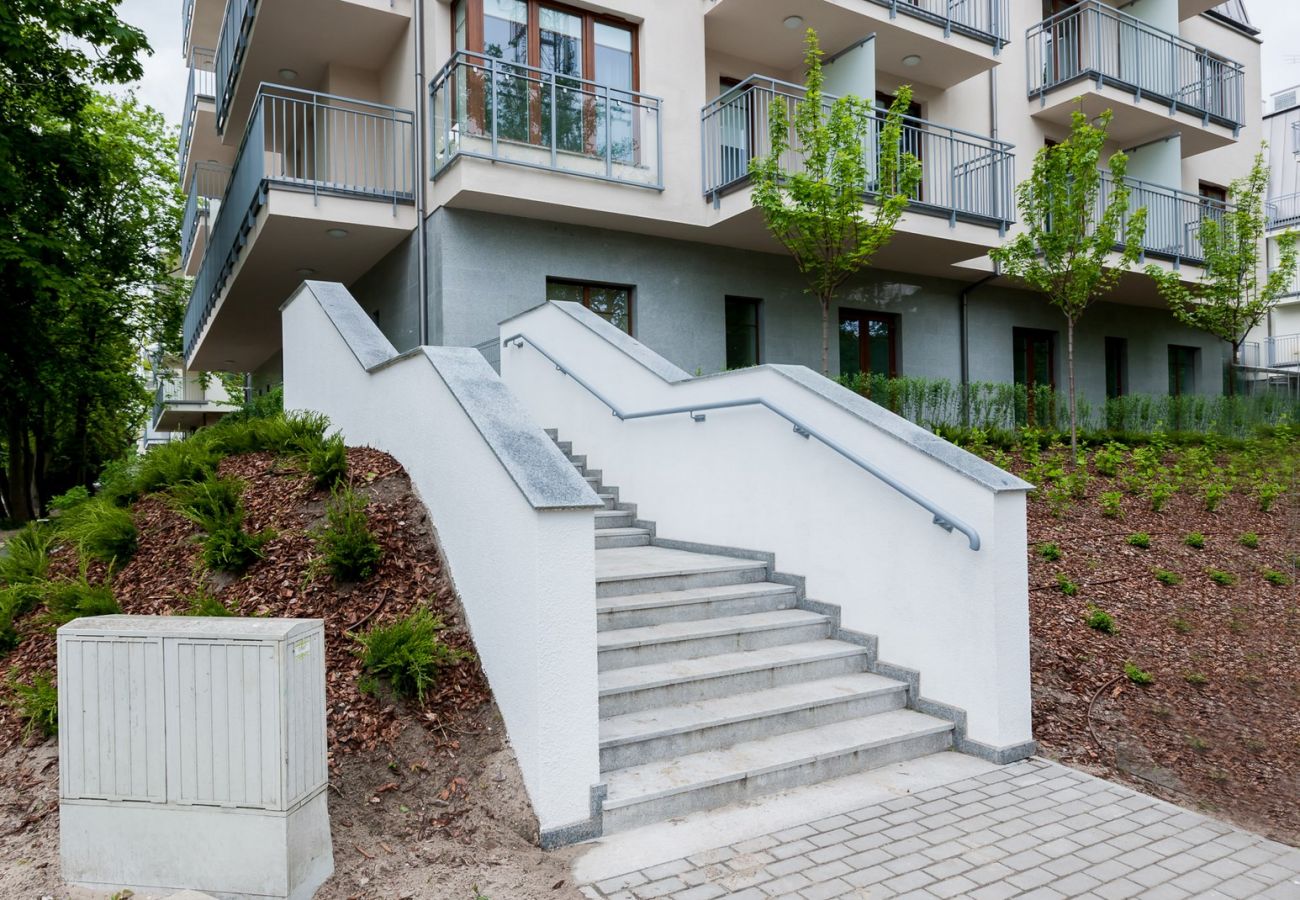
(892, 320)
(587, 285)
(1031, 333)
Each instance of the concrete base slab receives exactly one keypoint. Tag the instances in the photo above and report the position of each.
(661, 842)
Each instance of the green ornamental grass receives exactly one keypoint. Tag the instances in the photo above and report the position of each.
(408, 653)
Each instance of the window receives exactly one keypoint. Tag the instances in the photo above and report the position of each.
(1213, 192)
(868, 343)
(1116, 367)
(911, 140)
(743, 338)
(1035, 357)
(611, 302)
(1182, 370)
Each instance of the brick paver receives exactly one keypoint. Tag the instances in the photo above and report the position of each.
(1032, 829)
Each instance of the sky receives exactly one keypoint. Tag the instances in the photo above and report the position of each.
(165, 74)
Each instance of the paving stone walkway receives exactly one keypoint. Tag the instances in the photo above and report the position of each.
(1034, 829)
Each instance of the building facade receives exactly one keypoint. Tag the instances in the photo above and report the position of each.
(457, 163)
(1276, 345)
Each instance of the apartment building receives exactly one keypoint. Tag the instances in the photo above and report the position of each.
(183, 401)
(1276, 345)
(455, 163)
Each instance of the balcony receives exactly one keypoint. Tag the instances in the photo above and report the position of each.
(200, 23)
(945, 42)
(964, 176)
(302, 39)
(182, 402)
(1150, 79)
(1174, 218)
(322, 186)
(484, 108)
(198, 137)
(202, 203)
(1283, 212)
(1282, 351)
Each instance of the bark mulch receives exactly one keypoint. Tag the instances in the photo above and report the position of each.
(1219, 726)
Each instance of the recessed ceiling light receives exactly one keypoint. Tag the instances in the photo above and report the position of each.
(305, 272)
(911, 60)
(288, 74)
(337, 233)
(793, 22)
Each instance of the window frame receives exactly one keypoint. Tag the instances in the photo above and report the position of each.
(757, 304)
(1193, 355)
(587, 285)
(1119, 346)
(1029, 334)
(892, 320)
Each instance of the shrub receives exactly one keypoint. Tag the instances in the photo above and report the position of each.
(1100, 620)
(1272, 576)
(72, 497)
(229, 548)
(350, 550)
(68, 600)
(203, 603)
(1066, 586)
(1111, 504)
(37, 704)
(408, 653)
(1200, 745)
(1195, 540)
(1164, 576)
(1249, 540)
(1108, 459)
(16, 601)
(1160, 493)
(1180, 625)
(327, 463)
(1197, 678)
(176, 463)
(1218, 576)
(1267, 493)
(1136, 675)
(26, 556)
(1214, 494)
(1139, 539)
(101, 530)
(210, 503)
(1050, 552)
(117, 483)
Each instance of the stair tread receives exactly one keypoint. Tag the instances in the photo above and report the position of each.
(667, 632)
(683, 717)
(653, 599)
(628, 563)
(634, 678)
(664, 778)
(612, 513)
(621, 530)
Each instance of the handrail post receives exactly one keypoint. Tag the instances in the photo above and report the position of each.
(492, 75)
(609, 145)
(554, 117)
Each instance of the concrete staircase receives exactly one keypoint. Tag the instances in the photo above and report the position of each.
(715, 686)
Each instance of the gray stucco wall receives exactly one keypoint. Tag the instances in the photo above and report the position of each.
(488, 267)
(388, 294)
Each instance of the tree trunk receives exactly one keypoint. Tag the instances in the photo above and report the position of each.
(1074, 421)
(19, 469)
(1232, 365)
(826, 334)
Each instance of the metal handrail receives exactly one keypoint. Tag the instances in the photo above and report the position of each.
(201, 85)
(964, 175)
(944, 519)
(466, 97)
(1174, 216)
(236, 26)
(206, 185)
(987, 20)
(1283, 211)
(1093, 40)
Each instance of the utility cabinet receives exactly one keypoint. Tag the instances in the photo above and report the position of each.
(192, 754)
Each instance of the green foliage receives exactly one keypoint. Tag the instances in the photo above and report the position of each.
(1108, 459)
(68, 600)
(1136, 675)
(1230, 299)
(1065, 249)
(101, 530)
(230, 548)
(1181, 625)
(216, 506)
(1112, 504)
(73, 496)
(1139, 539)
(1214, 494)
(327, 462)
(1196, 678)
(1218, 576)
(1100, 620)
(1159, 493)
(1200, 745)
(1049, 551)
(1273, 576)
(1266, 493)
(350, 550)
(1195, 540)
(1164, 576)
(15, 602)
(1065, 585)
(408, 653)
(173, 464)
(25, 557)
(815, 211)
(1249, 540)
(37, 704)
(204, 603)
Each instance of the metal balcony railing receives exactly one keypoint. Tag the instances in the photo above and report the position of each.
(202, 85)
(304, 141)
(1283, 351)
(1092, 41)
(964, 176)
(985, 20)
(168, 391)
(187, 17)
(484, 107)
(1284, 211)
(236, 26)
(201, 202)
(1250, 354)
(1174, 217)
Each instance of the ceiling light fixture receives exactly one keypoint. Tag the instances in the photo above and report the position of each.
(911, 60)
(288, 74)
(792, 22)
(337, 233)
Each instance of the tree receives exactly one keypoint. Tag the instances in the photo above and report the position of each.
(816, 212)
(90, 211)
(1073, 221)
(1230, 299)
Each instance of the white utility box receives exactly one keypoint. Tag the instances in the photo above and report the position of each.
(192, 755)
